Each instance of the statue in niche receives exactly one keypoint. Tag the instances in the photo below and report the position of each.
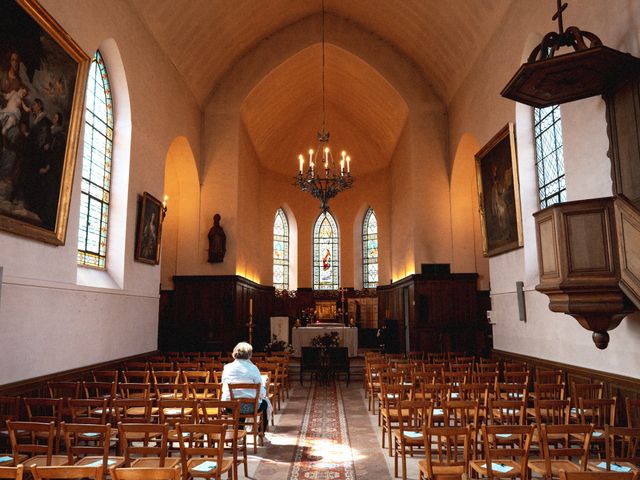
(217, 241)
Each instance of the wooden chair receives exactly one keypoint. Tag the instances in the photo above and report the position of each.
(516, 377)
(13, 473)
(136, 376)
(135, 390)
(173, 411)
(64, 390)
(392, 395)
(196, 376)
(145, 445)
(45, 410)
(67, 472)
(549, 376)
(203, 458)
(450, 447)
(593, 391)
(512, 391)
(25, 447)
(560, 458)
(373, 383)
(166, 376)
(9, 410)
(488, 367)
(91, 411)
(106, 390)
(622, 451)
(142, 473)
(228, 413)
(89, 445)
(412, 414)
(500, 460)
(133, 410)
(170, 391)
(596, 476)
(515, 367)
(248, 395)
(600, 413)
(506, 412)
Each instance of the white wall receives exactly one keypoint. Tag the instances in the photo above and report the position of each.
(49, 322)
(478, 109)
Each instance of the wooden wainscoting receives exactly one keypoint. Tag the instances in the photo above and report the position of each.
(615, 385)
(37, 386)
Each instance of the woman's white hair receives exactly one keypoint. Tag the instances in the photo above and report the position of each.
(242, 351)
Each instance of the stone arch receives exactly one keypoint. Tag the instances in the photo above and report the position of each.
(466, 230)
(180, 226)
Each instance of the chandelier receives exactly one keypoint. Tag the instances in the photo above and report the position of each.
(322, 177)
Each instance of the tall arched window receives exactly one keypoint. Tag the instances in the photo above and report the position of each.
(370, 250)
(281, 251)
(96, 168)
(549, 156)
(326, 253)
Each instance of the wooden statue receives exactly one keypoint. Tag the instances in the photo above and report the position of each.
(217, 241)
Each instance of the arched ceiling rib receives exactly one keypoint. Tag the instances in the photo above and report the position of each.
(364, 113)
(204, 38)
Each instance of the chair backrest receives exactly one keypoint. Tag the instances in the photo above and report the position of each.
(599, 412)
(140, 473)
(560, 436)
(82, 440)
(202, 440)
(136, 376)
(452, 446)
(507, 412)
(43, 409)
(161, 366)
(64, 389)
(622, 445)
(215, 411)
(67, 472)
(105, 376)
(436, 393)
(475, 391)
(170, 390)
(166, 376)
(495, 449)
(549, 391)
(205, 390)
(14, 473)
(140, 366)
(461, 413)
(412, 414)
(564, 475)
(135, 390)
(552, 412)
(22, 436)
(89, 410)
(132, 410)
(177, 411)
(99, 390)
(188, 365)
(393, 394)
(143, 439)
(200, 376)
(633, 412)
(549, 376)
(512, 391)
(247, 394)
(515, 367)
(587, 391)
(492, 367)
(517, 376)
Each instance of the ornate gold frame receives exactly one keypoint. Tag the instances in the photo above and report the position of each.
(489, 154)
(57, 236)
(146, 202)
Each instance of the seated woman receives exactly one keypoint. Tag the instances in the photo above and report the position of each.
(242, 370)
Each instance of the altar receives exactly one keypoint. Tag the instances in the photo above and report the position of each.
(302, 336)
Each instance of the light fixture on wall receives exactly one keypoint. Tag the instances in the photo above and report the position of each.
(322, 177)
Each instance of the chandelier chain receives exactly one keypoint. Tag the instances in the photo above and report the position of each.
(323, 105)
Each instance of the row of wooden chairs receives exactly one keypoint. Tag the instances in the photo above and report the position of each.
(95, 473)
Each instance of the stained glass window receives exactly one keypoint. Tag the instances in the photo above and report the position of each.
(281, 251)
(370, 250)
(96, 168)
(326, 253)
(549, 156)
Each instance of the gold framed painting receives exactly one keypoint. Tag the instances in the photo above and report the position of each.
(42, 83)
(149, 231)
(499, 193)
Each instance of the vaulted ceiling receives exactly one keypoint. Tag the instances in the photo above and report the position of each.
(205, 38)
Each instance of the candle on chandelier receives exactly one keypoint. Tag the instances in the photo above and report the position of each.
(301, 158)
(348, 162)
(326, 158)
(342, 162)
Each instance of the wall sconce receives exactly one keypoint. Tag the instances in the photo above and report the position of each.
(164, 206)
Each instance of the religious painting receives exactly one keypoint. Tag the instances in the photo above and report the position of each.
(42, 83)
(326, 310)
(149, 230)
(499, 192)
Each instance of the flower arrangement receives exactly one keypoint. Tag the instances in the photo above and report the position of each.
(276, 345)
(308, 315)
(326, 340)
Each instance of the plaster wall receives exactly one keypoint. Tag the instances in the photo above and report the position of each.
(71, 325)
(478, 109)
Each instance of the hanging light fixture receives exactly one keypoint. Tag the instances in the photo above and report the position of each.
(322, 178)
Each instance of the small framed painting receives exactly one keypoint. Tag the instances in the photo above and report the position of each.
(42, 83)
(148, 233)
(499, 192)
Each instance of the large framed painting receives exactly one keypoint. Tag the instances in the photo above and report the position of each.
(499, 192)
(42, 82)
(149, 230)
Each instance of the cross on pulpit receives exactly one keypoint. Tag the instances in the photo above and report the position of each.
(558, 15)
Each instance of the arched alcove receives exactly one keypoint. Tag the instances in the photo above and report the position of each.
(180, 226)
(293, 246)
(465, 218)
